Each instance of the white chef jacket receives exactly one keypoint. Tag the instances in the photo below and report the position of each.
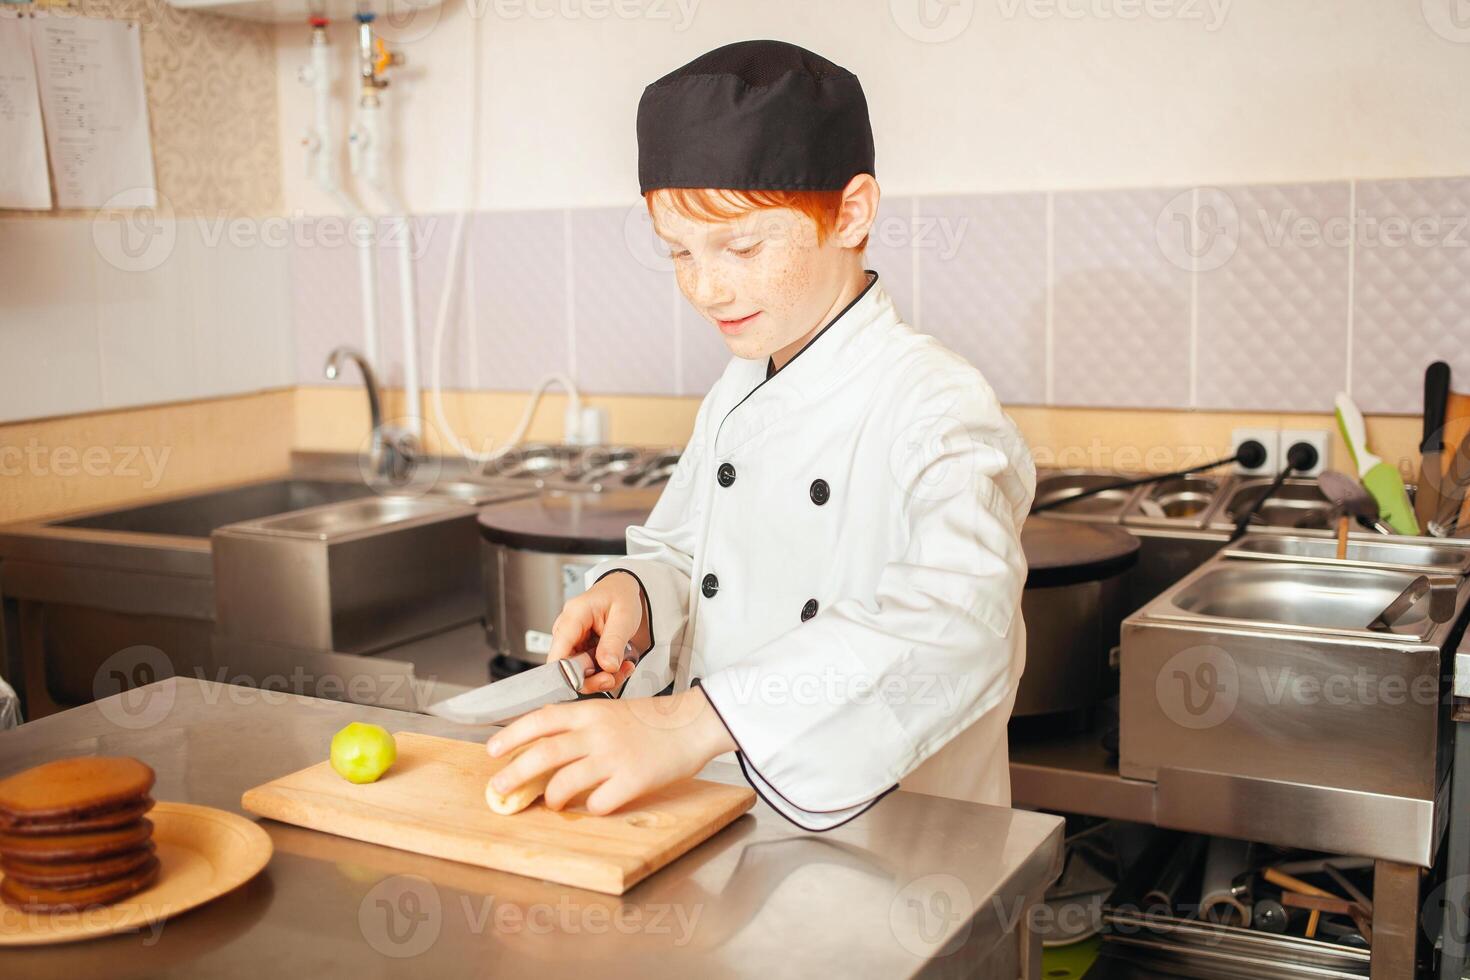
(837, 561)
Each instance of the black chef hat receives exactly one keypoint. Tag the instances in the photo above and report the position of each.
(754, 115)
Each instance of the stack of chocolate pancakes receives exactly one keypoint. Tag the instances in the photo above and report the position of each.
(73, 834)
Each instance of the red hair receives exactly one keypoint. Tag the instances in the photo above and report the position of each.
(715, 204)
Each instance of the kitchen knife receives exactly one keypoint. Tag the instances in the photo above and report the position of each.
(1384, 482)
(1431, 448)
(512, 697)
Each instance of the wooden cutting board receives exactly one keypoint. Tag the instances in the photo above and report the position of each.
(432, 801)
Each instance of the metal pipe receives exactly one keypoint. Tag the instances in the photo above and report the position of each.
(323, 165)
(368, 146)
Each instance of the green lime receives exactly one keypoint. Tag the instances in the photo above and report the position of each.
(361, 753)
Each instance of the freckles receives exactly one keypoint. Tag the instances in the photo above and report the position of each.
(792, 283)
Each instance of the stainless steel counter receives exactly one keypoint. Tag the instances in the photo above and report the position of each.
(918, 886)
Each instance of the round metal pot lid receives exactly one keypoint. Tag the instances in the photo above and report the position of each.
(1068, 552)
(576, 523)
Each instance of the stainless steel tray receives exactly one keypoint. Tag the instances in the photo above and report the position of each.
(1297, 503)
(1427, 556)
(1294, 597)
(1107, 507)
(1181, 501)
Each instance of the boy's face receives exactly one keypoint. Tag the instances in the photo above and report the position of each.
(761, 279)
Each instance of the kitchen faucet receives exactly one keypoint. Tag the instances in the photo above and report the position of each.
(394, 451)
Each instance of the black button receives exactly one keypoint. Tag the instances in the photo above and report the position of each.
(726, 474)
(709, 586)
(821, 493)
(809, 610)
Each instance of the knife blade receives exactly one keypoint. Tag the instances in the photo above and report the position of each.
(1431, 447)
(502, 700)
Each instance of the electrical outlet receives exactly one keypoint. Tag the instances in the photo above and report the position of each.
(1270, 438)
(1318, 439)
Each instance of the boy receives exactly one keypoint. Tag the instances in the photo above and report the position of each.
(832, 578)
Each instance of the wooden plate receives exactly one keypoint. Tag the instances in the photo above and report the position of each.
(203, 853)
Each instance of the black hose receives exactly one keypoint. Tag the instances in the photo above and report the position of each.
(1250, 455)
(1301, 457)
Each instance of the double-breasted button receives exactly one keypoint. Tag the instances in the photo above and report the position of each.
(726, 474)
(821, 493)
(809, 610)
(709, 586)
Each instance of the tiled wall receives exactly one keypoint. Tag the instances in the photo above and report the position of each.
(87, 326)
(1249, 298)
(576, 291)
(1259, 298)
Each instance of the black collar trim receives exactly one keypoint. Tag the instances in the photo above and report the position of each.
(872, 281)
(770, 363)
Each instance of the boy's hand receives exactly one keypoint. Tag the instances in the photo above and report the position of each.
(619, 750)
(605, 619)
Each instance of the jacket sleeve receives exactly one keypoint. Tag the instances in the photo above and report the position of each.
(830, 716)
(661, 556)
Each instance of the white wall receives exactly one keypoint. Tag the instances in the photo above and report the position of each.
(1031, 94)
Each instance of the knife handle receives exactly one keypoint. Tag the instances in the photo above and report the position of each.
(576, 669)
(1436, 398)
(1456, 480)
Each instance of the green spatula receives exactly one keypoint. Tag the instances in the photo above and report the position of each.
(1384, 482)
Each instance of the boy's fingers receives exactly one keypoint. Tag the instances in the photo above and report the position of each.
(549, 720)
(600, 681)
(617, 630)
(569, 631)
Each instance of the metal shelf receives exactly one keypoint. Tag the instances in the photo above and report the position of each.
(1074, 774)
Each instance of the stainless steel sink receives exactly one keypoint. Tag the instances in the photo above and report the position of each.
(350, 577)
(1364, 550)
(80, 588)
(354, 517)
(197, 515)
(1297, 597)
